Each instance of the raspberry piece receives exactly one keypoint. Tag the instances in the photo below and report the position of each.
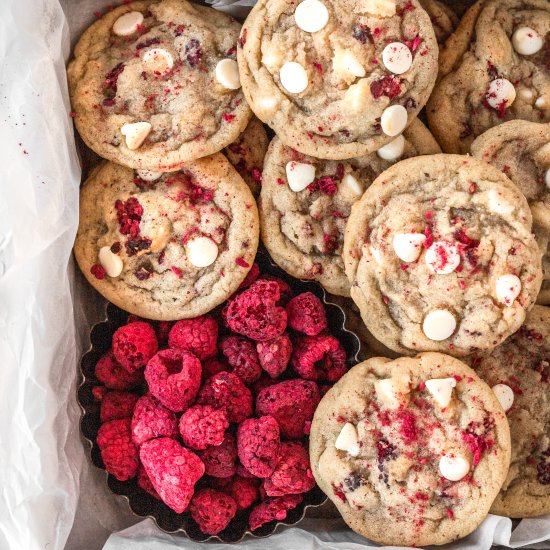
(293, 473)
(219, 461)
(152, 420)
(109, 372)
(226, 391)
(306, 314)
(244, 491)
(212, 510)
(174, 378)
(193, 52)
(242, 357)
(284, 289)
(273, 509)
(275, 355)
(292, 404)
(173, 471)
(197, 335)
(251, 276)
(134, 345)
(202, 426)
(144, 482)
(117, 404)
(259, 445)
(320, 357)
(390, 86)
(118, 452)
(213, 366)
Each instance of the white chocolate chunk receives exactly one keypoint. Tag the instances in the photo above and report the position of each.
(344, 63)
(442, 257)
(439, 324)
(394, 120)
(352, 184)
(149, 175)
(505, 396)
(454, 467)
(408, 246)
(547, 178)
(507, 288)
(348, 440)
(526, 41)
(111, 262)
(227, 74)
(356, 95)
(541, 102)
(441, 389)
(391, 392)
(397, 57)
(501, 93)
(158, 59)
(498, 205)
(526, 94)
(267, 104)
(299, 175)
(392, 150)
(293, 77)
(376, 254)
(135, 134)
(381, 8)
(311, 15)
(202, 251)
(128, 23)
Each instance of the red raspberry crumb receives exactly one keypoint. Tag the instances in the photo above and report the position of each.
(306, 314)
(213, 366)
(275, 355)
(244, 492)
(118, 452)
(98, 271)
(134, 344)
(242, 357)
(99, 392)
(220, 460)
(251, 276)
(212, 510)
(273, 509)
(202, 426)
(241, 262)
(320, 357)
(117, 404)
(259, 445)
(199, 336)
(109, 372)
(151, 419)
(144, 482)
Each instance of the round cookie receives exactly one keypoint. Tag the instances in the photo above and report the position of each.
(440, 256)
(305, 203)
(172, 248)
(521, 150)
(155, 84)
(443, 18)
(412, 451)
(494, 69)
(337, 79)
(519, 370)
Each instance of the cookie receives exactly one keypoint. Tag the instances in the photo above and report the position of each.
(519, 373)
(305, 203)
(494, 68)
(443, 18)
(156, 84)
(440, 256)
(168, 248)
(521, 150)
(337, 79)
(412, 451)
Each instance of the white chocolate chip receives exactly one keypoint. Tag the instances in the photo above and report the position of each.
(299, 175)
(408, 246)
(348, 440)
(392, 150)
(293, 77)
(381, 8)
(505, 396)
(439, 324)
(227, 74)
(267, 104)
(311, 15)
(507, 288)
(397, 57)
(526, 41)
(128, 23)
(352, 184)
(498, 205)
(394, 120)
(391, 391)
(454, 467)
(344, 63)
(501, 93)
(376, 254)
(111, 262)
(540, 102)
(202, 251)
(547, 178)
(135, 134)
(442, 257)
(158, 59)
(441, 389)
(149, 175)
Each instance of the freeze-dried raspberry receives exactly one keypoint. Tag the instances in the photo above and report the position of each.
(118, 451)
(284, 289)
(274, 355)
(117, 404)
(226, 391)
(202, 426)
(320, 357)
(220, 460)
(273, 509)
(173, 471)
(212, 366)
(243, 472)
(390, 86)
(151, 419)
(306, 314)
(242, 357)
(114, 376)
(292, 404)
(144, 482)
(134, 345)
(292, 475)
(244, 491)
(174, 378)
(197, 335)
(251, 276)
(259, 445)
(99, 392)
(212, 510)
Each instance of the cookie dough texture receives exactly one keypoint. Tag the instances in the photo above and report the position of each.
(522, 363)
(304, 231)
(392, 492)
(158, 281)
(521, 150)
(466, 204)
(338, 114)
(479, 52)
(191, 114)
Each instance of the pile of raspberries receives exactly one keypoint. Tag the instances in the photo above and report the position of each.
(223, 402)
